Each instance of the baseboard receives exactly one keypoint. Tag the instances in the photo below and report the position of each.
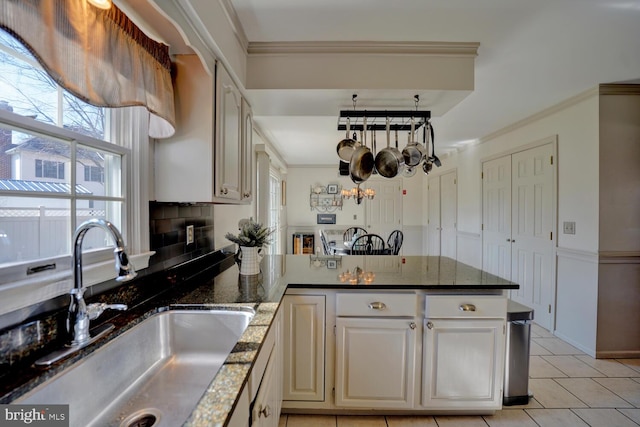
(631, 354)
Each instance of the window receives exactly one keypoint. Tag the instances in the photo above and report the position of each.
(93, 173)
(56, 168)
(49, 169)
(274, 212)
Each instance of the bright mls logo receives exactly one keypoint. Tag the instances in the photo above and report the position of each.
(34, 415)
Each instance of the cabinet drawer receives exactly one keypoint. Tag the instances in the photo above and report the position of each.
(376, 304)
(462, 306)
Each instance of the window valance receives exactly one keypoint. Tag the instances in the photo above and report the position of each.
(100, 56)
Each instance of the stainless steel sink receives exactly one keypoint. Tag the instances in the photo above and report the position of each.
(152, 375)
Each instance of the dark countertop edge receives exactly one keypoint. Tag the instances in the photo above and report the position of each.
(389, 287)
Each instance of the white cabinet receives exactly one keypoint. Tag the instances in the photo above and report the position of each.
(303, 345)
(375, 362)
(375, 349)
(247, 152)
(463, 348)
(228, 141)
(268, 374)
(210, 157)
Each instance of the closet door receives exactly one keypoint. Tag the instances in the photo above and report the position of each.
(532, 226)
(518, 205)
(433, 212)
(496, 217)
(448, 214)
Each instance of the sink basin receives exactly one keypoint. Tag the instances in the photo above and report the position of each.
(153, 374)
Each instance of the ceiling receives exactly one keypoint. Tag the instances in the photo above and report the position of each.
(532, 55)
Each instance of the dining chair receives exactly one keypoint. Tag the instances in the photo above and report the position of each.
(394, 242)
(351, 231)
(330, 249)
(368, 244)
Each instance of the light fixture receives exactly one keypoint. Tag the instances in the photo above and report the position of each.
(358, 194)
(100, 4)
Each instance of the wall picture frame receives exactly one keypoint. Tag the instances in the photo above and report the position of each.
(332, 189)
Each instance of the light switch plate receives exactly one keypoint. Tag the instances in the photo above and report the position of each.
(569, 227)
(189, 234)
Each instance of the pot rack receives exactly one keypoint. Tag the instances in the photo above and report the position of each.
(399, 120)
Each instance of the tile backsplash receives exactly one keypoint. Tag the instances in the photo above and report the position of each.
(168, 230)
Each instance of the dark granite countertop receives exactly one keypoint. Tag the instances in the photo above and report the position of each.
(263, 293)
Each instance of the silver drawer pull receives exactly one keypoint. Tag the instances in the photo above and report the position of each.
(429, 325)
(265, 412)
(377, 305)
(413, 325)
(467, 307)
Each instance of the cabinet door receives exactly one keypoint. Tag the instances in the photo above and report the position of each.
(266, 406)
(375, 362)
(463, 364)
(304, 332)
(247, 151)
(228, 160)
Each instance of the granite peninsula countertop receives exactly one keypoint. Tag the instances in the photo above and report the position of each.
(263, 293)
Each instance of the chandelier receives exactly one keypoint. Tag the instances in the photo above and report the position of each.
(358, 194)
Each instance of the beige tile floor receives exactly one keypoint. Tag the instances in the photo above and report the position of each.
(570, 389)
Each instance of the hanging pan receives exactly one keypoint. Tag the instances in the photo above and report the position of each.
(436, 161)
(362, 161)
(413, 152)
(348, 145)
(389, 161)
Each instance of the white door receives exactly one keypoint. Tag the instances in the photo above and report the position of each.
(531, 230)
(448, 214)
(433, 221)
(496, 217)
(375, 362)
(383, 213)
(442, 215)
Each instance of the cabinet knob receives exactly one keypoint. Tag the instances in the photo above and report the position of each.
(377, 305)
(429, 325)
(265, 411)
(467, 307)
(224, 190)
(412, 325)
(247, 195)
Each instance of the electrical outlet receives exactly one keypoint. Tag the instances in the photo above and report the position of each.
(569, 227)
(355, 217)
(189, 234)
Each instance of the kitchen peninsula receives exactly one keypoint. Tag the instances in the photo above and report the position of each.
(354, 333)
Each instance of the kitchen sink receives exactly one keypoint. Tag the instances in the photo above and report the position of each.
(152, 375)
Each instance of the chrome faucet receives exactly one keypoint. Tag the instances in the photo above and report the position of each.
(80, 314)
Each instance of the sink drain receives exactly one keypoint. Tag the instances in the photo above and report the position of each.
(144, 421)
(144, 418)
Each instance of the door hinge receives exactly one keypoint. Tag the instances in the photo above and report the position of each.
(504, 329)
(481, 226)
(481, 175)
(334, 330)
(455, 181)
(551, 235)
(549, 308)
(333, 392)
(551, 159)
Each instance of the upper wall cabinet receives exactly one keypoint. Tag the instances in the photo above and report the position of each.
(209, 159)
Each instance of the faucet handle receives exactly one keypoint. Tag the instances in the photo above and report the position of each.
(96, 309)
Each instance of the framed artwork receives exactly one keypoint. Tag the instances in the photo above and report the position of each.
(332, 189)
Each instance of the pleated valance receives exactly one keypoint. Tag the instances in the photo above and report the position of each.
(100, 56)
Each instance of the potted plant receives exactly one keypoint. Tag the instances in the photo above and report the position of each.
(252, 237)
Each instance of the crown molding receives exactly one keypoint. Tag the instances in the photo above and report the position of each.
(234, 22)
(620, 89)
(364, 47)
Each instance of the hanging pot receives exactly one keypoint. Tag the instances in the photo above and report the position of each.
(413, 152)
(389, 161)
(427, 163)
(348, 145)
(362, 161)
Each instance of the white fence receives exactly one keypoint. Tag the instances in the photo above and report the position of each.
(33, 233)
